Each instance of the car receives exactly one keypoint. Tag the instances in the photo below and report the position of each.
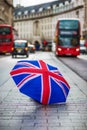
(20, 47)
(31, 48)
(82, 46)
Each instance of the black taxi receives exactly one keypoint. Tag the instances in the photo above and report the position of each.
(20, 48)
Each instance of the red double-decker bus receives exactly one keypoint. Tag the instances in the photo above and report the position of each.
(67, 37)
(6, 38)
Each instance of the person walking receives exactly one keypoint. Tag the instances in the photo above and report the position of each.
(44, 44)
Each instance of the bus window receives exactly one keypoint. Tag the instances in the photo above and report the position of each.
(5, 30)
(68, 24)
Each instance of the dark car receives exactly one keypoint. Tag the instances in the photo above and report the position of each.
(20, 48)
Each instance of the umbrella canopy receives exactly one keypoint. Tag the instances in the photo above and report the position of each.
(40, 81)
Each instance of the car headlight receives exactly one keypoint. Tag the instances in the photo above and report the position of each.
(26, 49)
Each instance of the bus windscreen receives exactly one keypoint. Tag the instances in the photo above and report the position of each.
(68, 41)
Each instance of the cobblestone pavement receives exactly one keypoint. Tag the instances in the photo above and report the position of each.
(19, 112)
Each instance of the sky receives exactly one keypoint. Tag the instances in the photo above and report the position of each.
(30, 2)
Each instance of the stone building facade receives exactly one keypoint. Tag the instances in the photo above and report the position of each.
(6, 12)
(85, 19)
(39, 22)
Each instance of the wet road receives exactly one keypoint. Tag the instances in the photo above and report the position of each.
(78, 65)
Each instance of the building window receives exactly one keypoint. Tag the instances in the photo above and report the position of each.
(66, 2)
(33, 11)
(48, 7)
(77, 14)
(26, 12)
(19, 13)
(40, 9)
(61, 5)
(36, 28)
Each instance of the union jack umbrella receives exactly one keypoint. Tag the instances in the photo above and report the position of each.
(40, 81)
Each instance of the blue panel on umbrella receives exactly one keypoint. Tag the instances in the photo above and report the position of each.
(57, 94)
(18, 78)
(52, 67)
(33, 88)
(32, 62)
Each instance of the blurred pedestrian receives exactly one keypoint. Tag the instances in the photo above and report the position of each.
(44, 45)
(37, 45)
